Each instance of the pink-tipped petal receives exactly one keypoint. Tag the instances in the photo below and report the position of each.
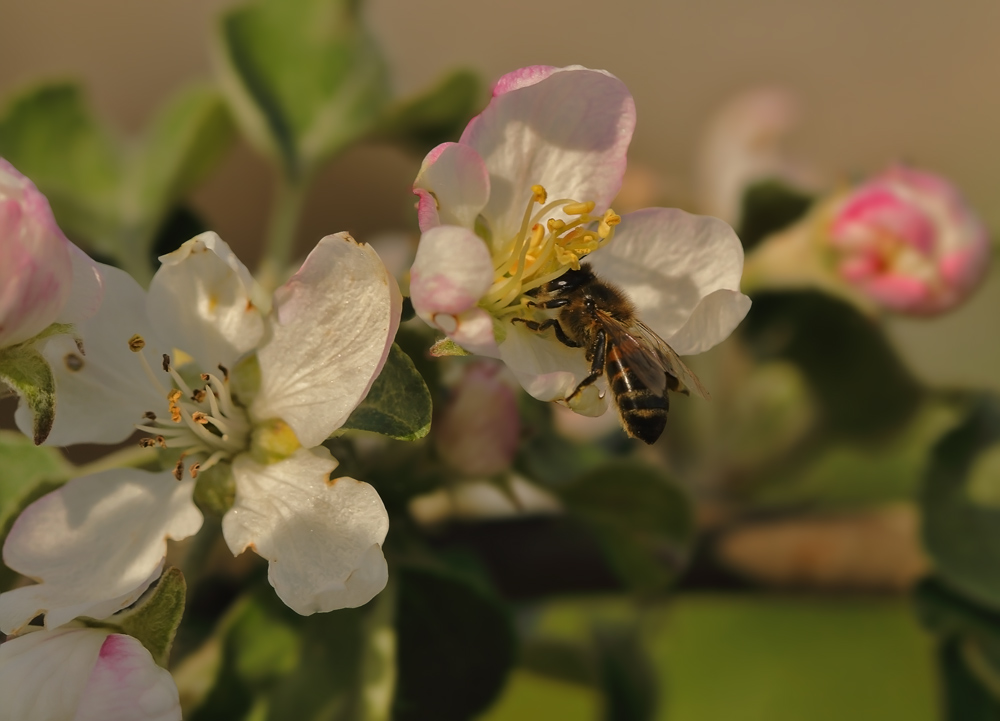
(451, 272)
(567, 131)
(453, 187)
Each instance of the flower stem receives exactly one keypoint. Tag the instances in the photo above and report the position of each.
(280, 241)
(131, 457)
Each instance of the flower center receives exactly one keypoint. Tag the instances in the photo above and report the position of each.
(545, 248)
(205, 422)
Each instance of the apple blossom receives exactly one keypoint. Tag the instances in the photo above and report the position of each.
(904, 241)
(44, 278)
(525, 195)
(250, 388)
(83, 674)
(908, 241)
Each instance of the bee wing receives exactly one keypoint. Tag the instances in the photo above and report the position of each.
(652, 359)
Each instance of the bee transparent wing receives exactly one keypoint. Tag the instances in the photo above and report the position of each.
(653, 360)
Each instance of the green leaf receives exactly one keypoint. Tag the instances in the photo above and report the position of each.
(965, 696)
(49, 134)
(26, 371)
(261, 644)
(455, 646)
(185, 141)
(862, 386)
(627, 676)
(302, 77)
(642, 521)
(770, 206)
(962, 536)
(435, 116)
(398, 404)
(154, 620)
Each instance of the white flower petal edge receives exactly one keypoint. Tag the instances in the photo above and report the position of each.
(451, 272)
(121, 518)
(87, 291)
(333, 325)
(322, 538)
(567, 129)
(453, 186)
(83, 674)
(669, 262)
(101, 395)
(204, 301)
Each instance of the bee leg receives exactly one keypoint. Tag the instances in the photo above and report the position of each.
(596, 364)
(550, 323)
(554, 303)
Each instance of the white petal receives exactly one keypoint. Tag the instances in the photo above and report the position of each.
(323, 538)
(451, 272)
(568, 130)
(83, 674)
(127, 685)
(668, 261)
(204, 301)
(712, 321)
(94, 545)
(545, 368)
(473, 330)
(100, 396)
(43, 674)
(87, 290)
(332, 327)
(456, 186)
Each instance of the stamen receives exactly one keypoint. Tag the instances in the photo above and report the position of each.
(149, 415)
(193, 469)
(579, 208)
(212, 460)
(179, 469)
(200, 418)
(177, 379)
(199, 395)
(539, 194)
(136, 344)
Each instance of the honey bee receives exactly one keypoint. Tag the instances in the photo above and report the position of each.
(640, 366)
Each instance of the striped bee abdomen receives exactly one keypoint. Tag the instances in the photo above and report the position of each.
(643, 411)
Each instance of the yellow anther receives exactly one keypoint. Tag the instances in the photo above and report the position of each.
(136, 343)
(537, 234)
(539, 194)
(174, 395)
(611, 217)
(578, 208)
(555, 225)
(200, 418)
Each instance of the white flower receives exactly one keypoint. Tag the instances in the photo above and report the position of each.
(524, 195)
(307, 362)
(83, 674)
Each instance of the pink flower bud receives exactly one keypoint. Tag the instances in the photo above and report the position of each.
(908, 241)
(39, 267)
(477, 432)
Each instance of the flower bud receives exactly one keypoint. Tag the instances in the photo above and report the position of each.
(908, 241)
(38, 265)
(478, 430)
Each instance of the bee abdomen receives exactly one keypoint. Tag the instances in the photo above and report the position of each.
(643, 412)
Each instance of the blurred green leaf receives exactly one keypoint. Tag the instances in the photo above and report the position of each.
(110, 198)
(50, 134)
(154, 620)
(965, 697)
(561, 659)
(642, 521)
(188, 137)
(962, 536)
(628, 678)
(455, 646)
(261, 645)
(302, 77)
(435, 116)
(862, 386)
(769, 206)
(398, 404)
(848, 474)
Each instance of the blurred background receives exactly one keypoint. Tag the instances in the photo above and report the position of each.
(877, 82)
(785, 618)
